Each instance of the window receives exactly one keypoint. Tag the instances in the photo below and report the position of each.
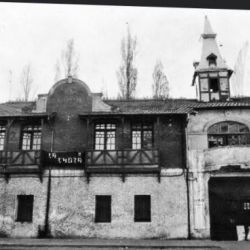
(103, 208)
(228, 133)
(2, 136)
(105, 136)
(142, 135)
(25, 208)
(214, 87)
(142, 208)
(31, 137)
(212, 60)
(246, 205)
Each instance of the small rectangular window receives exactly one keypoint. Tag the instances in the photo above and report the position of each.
(103, 208)
(205, 97)
(2, 136)
(224, 84)
(246, 205)
(204, 84)
(25, 208)
(214, 85)
(142, 208)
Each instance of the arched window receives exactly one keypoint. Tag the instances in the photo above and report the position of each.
(228, 133)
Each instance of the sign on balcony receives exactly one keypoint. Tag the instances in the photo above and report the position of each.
(64, 158)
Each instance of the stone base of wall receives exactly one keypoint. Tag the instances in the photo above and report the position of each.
(72, 206)
(8, 206)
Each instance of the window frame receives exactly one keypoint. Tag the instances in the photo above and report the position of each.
(99, 216)
(212, 60)
(220, 92)
(31, 132)
(142, 130)
(146, 217)
(225, 135)
(2, 138)
(105, 130)
(21, 207)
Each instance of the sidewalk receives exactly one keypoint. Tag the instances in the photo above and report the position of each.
(122, 244)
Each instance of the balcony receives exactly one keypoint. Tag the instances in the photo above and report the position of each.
(123, 161)
(215, 158)
(20, 162)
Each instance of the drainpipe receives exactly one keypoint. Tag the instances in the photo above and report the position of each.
(187, 177)
(47, 232)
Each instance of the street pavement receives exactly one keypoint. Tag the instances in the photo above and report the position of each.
(123, 244)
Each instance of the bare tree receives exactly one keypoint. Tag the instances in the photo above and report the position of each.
(10, 83)
(26, 81)
(160, 84)
(69, 62)
(127, 73)
(57, 71)
(70, 59)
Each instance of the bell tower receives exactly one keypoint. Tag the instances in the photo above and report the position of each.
(211, 75)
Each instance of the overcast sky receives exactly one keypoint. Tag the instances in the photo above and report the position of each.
(37, 33)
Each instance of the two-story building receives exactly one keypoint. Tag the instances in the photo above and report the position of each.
(75, 165)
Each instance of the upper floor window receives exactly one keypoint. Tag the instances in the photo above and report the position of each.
(105, 136)
(31, 137)
(2, 136)
(214, 86)
(142, 135)
(228, 133)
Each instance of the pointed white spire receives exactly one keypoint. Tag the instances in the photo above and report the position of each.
(208, 31)
(210, 47)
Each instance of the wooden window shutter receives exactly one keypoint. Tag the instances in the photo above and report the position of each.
(25, 208)
(142, 208)
(103, 208)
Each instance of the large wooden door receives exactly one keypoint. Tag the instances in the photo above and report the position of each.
(229, 205)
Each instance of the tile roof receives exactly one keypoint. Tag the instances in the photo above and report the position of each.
(135, 106)
(18, 109)
(150, 106)
(174, 106)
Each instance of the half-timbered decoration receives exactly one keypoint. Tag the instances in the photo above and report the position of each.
(73, 164)
(99, 161)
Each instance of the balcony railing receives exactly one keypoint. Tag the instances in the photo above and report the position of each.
(123, 161)
(19, 162)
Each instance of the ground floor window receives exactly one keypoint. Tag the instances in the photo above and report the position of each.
(103, 208)
(25, 208)
(142, 211)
